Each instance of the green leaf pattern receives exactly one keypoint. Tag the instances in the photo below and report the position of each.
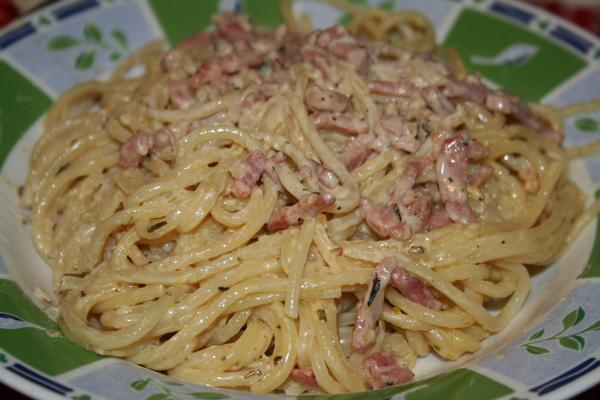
(537, 335)
(588, 125)
(573, 318)
(140, 385)
(172, 390)
(92, 34)
(536, 350)
(92, 44)
(85, 60)
(571, 341)
(61, 42)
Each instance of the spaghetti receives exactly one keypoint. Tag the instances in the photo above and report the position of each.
(266, 211)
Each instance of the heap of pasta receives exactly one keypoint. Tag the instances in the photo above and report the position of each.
(279, 212)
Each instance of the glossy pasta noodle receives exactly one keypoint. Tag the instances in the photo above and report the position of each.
(279, 211)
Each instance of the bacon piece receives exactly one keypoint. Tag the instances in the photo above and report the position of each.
(399, 133)
(308, 206)
(508, 104)
(171, 60)
(323, 62)
(438, 219)
(291, 44)
(180, 93)
(246, 180)
(318, 99)
(134, 149)
(475, 150)
(414, 289)
(329, 36)
(474, 92)
(531, 180)
(208, 73)
(415, 209)
(326, 177)
(384, 369)
(201, 39)
(344, 123)
(369, 309)
(161, 139)
(233, 27)
(305, 376)
(481, 176)
(279, 77)
(392, 89)
(452, 179)
(384, 221)
(353, 55)
(338, 40)
(412, 205)
(356, 151)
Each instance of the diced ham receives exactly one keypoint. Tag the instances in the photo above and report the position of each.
(327, 37)
(326, 177)
(474, 92)
(344, 123)
(515, 107)
(369, 309)
(243, 56)
(208, 73)
(439, 218)
(305, 376)
(409, 177)
(384, 221)
(384, 369)
(451, 168)
(392, 89)
(291, 43)
(531, 180)
(247, 178)
(414, 289)
(308, 206)
(171, 60)
(323, 62)
(200, 40)
(355, 56)
(481, 176)
(356, 151)
(181, 95)
(414, 208)
(134, 149)
(475, 150)
(141, 144)
(338, 40)
(318, 99)
(399, 133)
(233, 27)
(502, 102)
(161, 139)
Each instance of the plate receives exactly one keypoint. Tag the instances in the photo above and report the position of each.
(551, 350)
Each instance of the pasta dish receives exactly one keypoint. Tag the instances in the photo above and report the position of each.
(292, 211)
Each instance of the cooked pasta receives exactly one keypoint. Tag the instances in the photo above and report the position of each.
(285, 211)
